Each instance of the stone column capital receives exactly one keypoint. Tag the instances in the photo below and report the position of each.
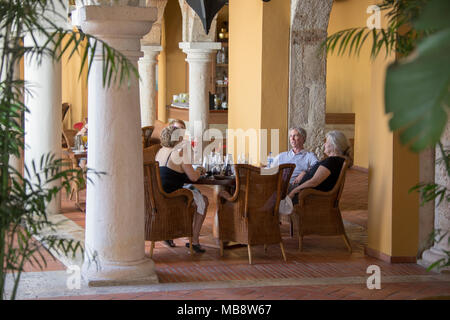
(150, 52)
(199, 51)
(116, 24)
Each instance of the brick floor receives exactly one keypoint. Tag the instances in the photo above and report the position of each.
(389, 291)
(322, 257)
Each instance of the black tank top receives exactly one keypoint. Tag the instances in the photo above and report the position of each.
(171, 180)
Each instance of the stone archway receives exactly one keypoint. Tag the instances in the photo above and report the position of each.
(192, 26)
(307, 76)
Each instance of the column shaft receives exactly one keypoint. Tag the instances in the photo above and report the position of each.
(43, 125)
(115, 201)
(441, 211)
(199, 57)
(147, 72)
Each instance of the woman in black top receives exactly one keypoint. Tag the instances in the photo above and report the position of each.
(176, 170)
(324, 174)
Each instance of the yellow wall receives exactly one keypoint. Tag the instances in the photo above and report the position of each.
(74, 89)
(258, 66)
(405, 222)
(245, 61)
(175, 64)
(348, 78)
(393, 222)
(380, 167)
(275, 69)
(162, 77)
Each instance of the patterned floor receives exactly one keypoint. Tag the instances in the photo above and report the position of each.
(323, 270)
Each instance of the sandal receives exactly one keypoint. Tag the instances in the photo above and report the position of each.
(197, 248)
(170, 243)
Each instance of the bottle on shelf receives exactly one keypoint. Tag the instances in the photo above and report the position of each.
(218, 57)
(269, 160)
(222, 56)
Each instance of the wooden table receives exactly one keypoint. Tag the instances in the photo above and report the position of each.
(226, 184)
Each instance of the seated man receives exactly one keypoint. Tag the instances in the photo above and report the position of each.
(302, 159)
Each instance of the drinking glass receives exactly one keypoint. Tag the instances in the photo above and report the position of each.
(85, 139)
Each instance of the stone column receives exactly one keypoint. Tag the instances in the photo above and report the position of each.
(147, 86)
(199, 57)
(442, 210)
(115, 200)
(307, 92)
(43, 125)
(426, 212)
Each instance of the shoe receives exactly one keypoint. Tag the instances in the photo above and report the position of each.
(197, 248)
(170, 243)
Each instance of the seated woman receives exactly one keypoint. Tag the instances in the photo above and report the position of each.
(324, 174)
(174, 172)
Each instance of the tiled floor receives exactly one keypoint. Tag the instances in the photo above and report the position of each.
(323, 270)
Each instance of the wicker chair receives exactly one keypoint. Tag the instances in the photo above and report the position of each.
(146, 135)
(65, 107)
(250, 216)
(150, 152)
(318, 212)
(68, 138)
(167, 215)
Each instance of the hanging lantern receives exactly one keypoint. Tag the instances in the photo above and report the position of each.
(206, 10)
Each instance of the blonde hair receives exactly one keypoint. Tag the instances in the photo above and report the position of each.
(173, 122)
(166, 137)
(339, 142)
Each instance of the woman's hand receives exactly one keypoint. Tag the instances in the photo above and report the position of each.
(293, 192)
(201, 170)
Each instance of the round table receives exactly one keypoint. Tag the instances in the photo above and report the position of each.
(225, 183)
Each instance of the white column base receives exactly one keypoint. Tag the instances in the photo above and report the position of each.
(114, 274)
(430, 256)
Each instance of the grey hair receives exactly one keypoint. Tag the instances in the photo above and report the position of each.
(339, 142)
(300, 130)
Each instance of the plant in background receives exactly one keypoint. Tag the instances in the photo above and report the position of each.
(417, 89)
(24, 198)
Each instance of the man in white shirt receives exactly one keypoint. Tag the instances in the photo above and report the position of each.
(302, 159)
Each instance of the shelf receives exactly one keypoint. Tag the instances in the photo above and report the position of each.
(222, 65)
(215, 116)
(221, 85)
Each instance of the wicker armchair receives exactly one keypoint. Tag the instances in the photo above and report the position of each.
(146, 135)
(250, 216)
(318, 212)
(68, 138)
(167, 215)
(65, 107)
(150, 152)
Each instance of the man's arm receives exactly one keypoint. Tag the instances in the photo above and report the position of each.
(312, 160)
